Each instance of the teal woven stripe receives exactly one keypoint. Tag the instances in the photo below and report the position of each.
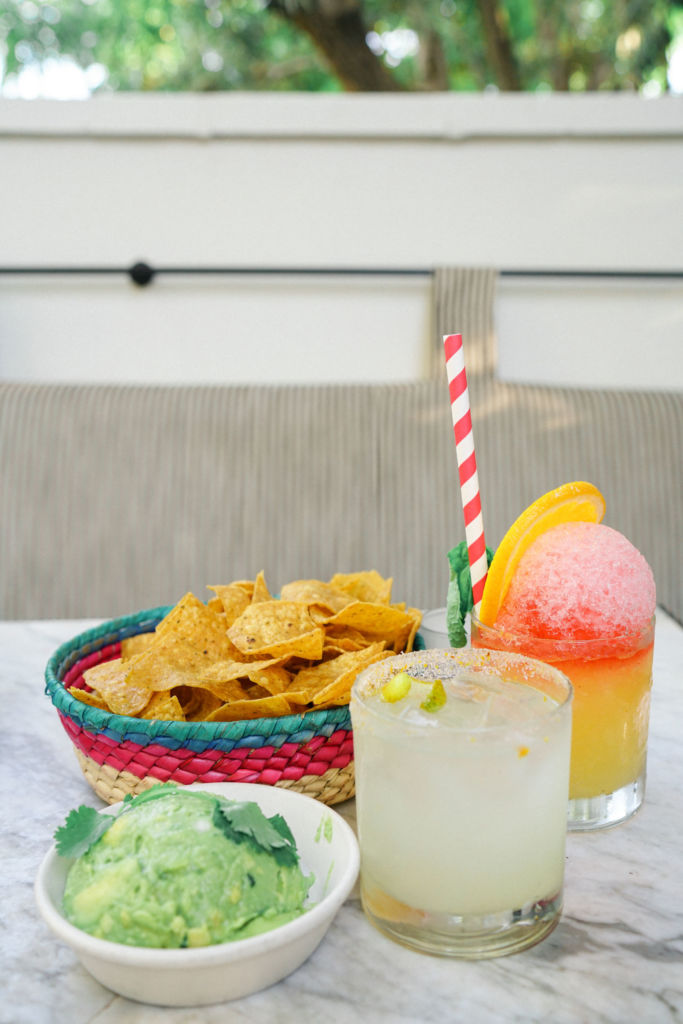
(93, 640)
(287, 728)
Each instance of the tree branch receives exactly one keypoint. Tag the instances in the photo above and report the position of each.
(432, 62)
(337, 29)
(498, 45)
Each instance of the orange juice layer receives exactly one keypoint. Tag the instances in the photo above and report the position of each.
(610, 721)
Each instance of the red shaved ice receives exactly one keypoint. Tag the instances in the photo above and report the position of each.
(579, 581)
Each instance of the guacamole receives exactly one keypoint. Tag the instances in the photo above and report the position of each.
(183, 868)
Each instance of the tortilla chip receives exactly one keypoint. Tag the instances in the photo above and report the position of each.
(192, 621)
(339, 689)
(196, 704)
(346, 637)
(274, 679)
(277, 628)
(405, 638)
(94, 700)
(164, 706)
(233, 690)
(260, 592)
(234, 668)
(246, 585)
(131, 645)
(167, 663)
(263, 707)
(324, 597)
(364, 586)
(112, 681)
(233, 600)
(333, 651)
(338, 674)
(375, 621)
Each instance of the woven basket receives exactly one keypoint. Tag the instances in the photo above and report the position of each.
(311, 753)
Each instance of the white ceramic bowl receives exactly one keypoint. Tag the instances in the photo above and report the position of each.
(212, 974)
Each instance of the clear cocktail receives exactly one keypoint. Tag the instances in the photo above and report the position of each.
(461, 799)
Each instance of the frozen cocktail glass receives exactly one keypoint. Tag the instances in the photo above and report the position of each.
(461, 795)
(612, 678)
(582, 599)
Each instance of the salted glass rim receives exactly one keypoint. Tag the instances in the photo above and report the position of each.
(472, 656)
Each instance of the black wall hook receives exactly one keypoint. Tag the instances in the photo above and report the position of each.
(141, 273)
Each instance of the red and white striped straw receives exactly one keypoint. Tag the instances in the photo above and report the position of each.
(467, 464)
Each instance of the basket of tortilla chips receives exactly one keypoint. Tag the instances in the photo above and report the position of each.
(243, 688)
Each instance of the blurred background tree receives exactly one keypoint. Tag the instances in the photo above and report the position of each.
(352, 45)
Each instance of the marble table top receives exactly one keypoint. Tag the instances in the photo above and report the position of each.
(616, 956)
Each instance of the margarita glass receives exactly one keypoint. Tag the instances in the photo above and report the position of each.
(461, 803)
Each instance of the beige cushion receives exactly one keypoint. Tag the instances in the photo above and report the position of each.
(121, 498)
(116, 499)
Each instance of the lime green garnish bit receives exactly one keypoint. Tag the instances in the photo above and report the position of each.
(436, 697)
(397, 687)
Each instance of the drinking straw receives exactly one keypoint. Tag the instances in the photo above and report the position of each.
(467, 464)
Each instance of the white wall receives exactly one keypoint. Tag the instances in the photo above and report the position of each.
(515, 182)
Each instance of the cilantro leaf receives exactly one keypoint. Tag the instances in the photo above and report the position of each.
(278, 822)
(159, 789)
(246, 821)
(82, 828)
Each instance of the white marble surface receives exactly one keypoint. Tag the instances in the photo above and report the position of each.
(617, 955)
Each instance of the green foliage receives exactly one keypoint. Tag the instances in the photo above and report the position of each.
(246, 821)
(168, 45)
(177, 45)
(459, 597)
(240, 822)
(82, 828)
(84, 825)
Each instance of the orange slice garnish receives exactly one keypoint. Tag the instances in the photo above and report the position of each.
(574, 502)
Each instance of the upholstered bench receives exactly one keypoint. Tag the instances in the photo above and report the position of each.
(118, 498)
